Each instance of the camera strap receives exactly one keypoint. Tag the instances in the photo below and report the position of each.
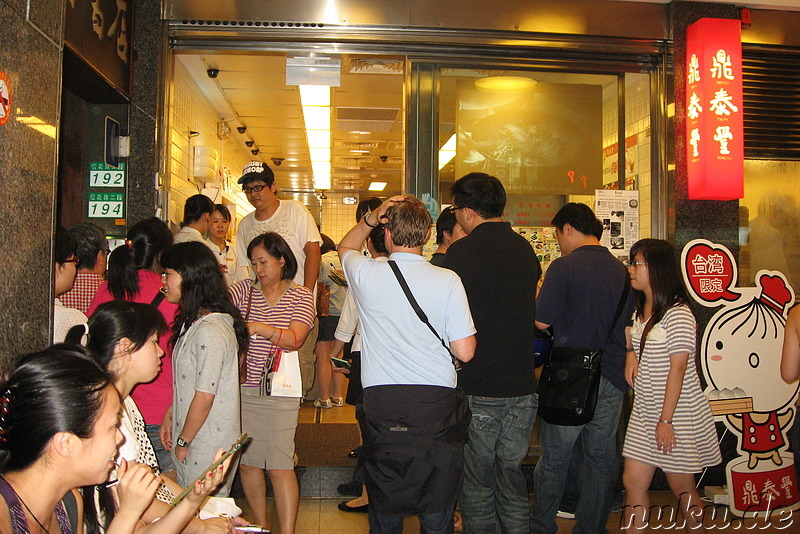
(420, 313)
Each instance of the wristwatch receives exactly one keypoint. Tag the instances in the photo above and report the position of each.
(182, 442)
(366, 220)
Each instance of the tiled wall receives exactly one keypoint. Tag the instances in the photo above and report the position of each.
(191, 111)
(337, 217)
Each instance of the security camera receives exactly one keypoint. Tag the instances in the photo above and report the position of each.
(212, 72)
(249, 143)
(277, 161)
(383, 158)
(254, 152)
(241, 129)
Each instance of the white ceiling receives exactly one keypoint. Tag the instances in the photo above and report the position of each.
(366, 117)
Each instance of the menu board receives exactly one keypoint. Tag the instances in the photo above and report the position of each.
(619, 213)
(544, 243)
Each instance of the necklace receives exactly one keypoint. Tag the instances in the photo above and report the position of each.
(271, 302)
(28, 509)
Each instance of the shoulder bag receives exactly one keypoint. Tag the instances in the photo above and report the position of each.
(420, 313)
(570, 380)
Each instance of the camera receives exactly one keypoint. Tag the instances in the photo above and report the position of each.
(212, 72)
(254, 152)
(241, 129)
(277, 161)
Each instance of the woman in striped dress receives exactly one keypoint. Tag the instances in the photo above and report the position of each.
(671, 426)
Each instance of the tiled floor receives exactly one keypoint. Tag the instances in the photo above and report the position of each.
(320, 516)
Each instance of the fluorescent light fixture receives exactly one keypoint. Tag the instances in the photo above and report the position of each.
(322, 180)
(315, 95)
(349, 200)
(317, 117)
(320, 154)
(360, 151)
(323, 167)
(377, 186)
(319, 138)
(505, 84)
(447, 152)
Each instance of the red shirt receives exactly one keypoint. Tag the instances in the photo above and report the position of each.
(155, 397)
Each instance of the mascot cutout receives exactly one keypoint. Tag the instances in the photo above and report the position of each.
(741, 355)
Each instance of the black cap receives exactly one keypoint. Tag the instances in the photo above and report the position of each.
(257, 170)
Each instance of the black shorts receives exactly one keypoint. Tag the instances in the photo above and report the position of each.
(327, 327)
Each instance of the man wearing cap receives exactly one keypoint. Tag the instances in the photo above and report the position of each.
(289, 218)
(292, 221)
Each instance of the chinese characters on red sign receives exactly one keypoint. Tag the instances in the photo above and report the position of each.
(714, 114)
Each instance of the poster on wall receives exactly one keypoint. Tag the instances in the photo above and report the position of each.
(740, 355)
(619, 213)
(546, 140)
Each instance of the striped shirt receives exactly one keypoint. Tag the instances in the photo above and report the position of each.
(296, 304)
(695, 434)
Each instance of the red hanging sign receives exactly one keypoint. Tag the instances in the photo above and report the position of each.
(714, 110)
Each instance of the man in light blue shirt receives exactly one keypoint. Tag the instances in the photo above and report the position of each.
(411, 414)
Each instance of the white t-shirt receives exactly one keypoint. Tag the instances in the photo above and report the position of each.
(187, 233)
(292, 221)
(65, 318)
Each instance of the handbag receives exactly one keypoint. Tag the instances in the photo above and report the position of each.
(570, 380)
(243, 355)
(421, 314)
(281, 376)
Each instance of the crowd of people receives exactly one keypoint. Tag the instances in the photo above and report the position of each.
(187, 337)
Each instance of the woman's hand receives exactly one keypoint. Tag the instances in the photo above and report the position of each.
(218, 525)
(257, 327)
(202, 488)
(165, 432)
(631, 368)
(137, 487)
(665, 437)
(181, 453)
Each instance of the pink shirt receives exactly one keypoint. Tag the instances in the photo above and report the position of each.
(155, 397)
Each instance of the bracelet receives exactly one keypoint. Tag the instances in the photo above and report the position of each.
(280, 333)
(629, 349)
(665, 421)
(366, 220)
(272, 334)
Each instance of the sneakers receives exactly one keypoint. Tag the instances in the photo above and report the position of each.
(319, 403)
(337, 401)
(565, 515)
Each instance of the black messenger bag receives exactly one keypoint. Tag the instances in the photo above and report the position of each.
(571, 379)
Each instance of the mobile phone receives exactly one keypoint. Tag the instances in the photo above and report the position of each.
(338, 362)
(230, 452)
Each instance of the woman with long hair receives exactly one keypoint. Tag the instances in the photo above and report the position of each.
(207, 338)
(671, 427)
(59, 418)
(280, 315)
(134, 275)
(123, 338)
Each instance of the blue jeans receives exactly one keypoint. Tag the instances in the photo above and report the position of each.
(598, 438)
(165, 461)
(494, 497)
(434, 523)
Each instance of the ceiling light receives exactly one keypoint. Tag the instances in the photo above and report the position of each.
(323, 167)
(320, 154)
(322, 180)
(447, 152)
(319, 138)
(349, 200)
(317, 117)
(506, 84)
(315, 95)
(377, 186)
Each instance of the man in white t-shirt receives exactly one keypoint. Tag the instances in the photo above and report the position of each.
(289, 218)
(292, 221)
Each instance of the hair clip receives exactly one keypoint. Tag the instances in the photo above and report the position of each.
(129, 243)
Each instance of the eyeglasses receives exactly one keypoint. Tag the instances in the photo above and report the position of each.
(633, 264)
(253, 189)
(76, 261)
(456, 208)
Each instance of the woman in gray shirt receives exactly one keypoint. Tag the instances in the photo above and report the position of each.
(208, 335)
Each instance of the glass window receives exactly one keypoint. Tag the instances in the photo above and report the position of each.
(551, 138)
(769, 215)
